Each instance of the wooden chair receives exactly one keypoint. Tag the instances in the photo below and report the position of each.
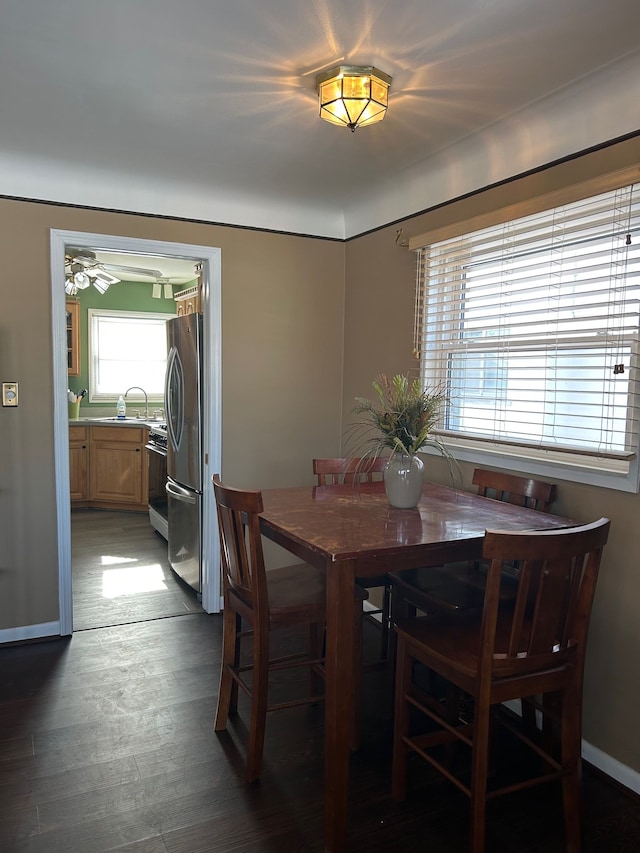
(460, 587)
(535, 648)
(266, 601)
(353, 470)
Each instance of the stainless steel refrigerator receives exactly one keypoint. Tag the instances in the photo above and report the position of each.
(183, 408)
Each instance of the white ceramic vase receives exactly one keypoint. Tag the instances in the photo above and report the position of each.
(403, 480)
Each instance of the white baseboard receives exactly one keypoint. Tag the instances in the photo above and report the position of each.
(610, 766)
(44, 631)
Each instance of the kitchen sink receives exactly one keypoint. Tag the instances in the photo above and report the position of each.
(130, 420)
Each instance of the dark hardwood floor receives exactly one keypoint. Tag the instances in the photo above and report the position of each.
(107, 743)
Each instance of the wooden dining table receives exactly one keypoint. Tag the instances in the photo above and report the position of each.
(351, 531)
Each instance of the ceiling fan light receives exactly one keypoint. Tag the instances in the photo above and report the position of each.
(70, 287)
(156, 291)
(168, 290)
(353, 95)
(81, 280)
(100, 285)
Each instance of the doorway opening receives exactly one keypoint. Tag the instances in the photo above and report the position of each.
(209, 258)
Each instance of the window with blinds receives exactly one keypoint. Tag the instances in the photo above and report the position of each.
(532, 328)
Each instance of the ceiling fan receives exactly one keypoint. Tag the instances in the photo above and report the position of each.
(82, 268)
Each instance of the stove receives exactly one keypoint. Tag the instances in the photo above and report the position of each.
(157, 449)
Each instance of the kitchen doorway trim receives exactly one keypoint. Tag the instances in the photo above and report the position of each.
(210, 258)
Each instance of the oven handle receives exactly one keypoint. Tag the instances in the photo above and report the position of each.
(154, 448)
(180, 494)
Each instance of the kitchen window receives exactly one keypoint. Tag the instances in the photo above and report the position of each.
(532, 328)
(126, 348)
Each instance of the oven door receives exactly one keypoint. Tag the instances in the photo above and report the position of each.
(158, 509)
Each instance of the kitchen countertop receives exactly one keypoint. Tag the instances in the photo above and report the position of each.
(113, 421)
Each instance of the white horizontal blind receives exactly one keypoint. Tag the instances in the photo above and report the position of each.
(532, 327)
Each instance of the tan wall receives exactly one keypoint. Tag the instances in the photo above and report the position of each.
(378, 338)
(282, 308)
(284, 392)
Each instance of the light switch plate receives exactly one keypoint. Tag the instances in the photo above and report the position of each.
(9, 393)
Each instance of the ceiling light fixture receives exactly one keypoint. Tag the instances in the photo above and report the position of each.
(353, 95)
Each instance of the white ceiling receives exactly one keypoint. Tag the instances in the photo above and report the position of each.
(208, 109)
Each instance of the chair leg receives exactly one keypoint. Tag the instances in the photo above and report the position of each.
(386, 622)
(227, 683)
(259, 698)
(356, 717)
(315, 645)
(233, 705)
(571, 738)
(399, 609)
(401, 721)
(479, 773)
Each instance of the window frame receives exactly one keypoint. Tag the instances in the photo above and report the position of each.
(94, 396)
(619, 474)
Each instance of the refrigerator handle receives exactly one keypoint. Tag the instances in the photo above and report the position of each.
(180, 494)
(174, 398)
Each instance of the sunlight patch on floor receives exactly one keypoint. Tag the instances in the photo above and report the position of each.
(133, 580)
(111, 561)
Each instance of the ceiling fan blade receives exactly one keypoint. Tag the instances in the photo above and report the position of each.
(104, 276)
(137, 270)
(81, 256)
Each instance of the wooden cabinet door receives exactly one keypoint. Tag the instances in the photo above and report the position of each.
(188, 301)
(73, 338)
(78, 464)
(118, 467)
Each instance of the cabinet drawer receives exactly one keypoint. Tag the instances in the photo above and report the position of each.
(119, 434)
(78, 433)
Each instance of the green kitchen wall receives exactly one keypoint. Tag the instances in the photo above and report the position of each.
(123, 296)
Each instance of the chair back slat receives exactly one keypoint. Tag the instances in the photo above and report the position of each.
(549, 620)
(354, 469)
(522, 491)
(241, 555)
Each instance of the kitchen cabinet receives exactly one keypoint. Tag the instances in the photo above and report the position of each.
(109, 467)
(73, 337)
(79, 463)
(188, 301)
(118, 467)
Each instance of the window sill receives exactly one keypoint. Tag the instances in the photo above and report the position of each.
(614, 474)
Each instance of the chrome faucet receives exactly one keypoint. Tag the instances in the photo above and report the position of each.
(146, 399)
